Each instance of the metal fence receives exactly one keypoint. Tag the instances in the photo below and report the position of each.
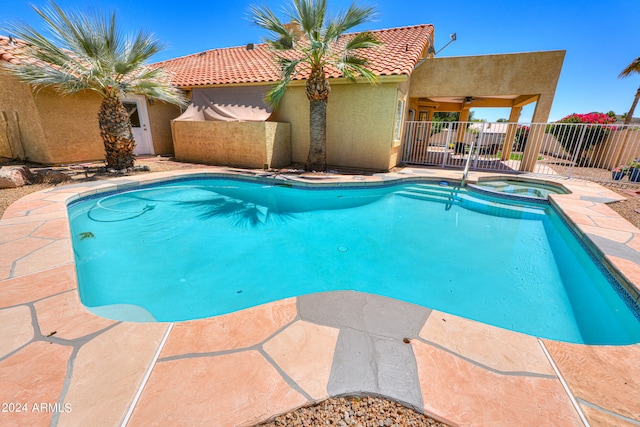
(571, 150)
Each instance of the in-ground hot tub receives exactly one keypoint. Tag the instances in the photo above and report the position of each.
(518, 188)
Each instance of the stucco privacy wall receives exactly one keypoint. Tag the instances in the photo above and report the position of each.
(243, 144)
(534, 73)
(160, 116)
(360, 122)
(21, 132)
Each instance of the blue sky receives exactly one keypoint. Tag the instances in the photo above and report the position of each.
(600, 37)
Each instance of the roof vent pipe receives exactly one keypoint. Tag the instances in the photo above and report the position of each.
(250, 46)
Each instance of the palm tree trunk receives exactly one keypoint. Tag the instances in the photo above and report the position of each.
(115, 130)
(627, 120)
(317, 159)
(318, 93)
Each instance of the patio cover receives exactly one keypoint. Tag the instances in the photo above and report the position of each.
(228, 104)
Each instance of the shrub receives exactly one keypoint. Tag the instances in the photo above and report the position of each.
(520, 140)
(579, 134)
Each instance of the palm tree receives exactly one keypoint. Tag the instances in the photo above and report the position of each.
(634, 67)
(311, 43)
(90, 54)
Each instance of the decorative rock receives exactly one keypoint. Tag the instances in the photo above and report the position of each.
(15, 176)
(333, 412)
(47, 176)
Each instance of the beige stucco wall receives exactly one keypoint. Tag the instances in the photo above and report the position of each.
(160, 116)
(360, 121)
(48, 128)
(534, 73)
(242, 144)
(21, 132)
(72, 129)
(71, 126)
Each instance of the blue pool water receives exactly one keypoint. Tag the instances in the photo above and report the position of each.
(200, 248)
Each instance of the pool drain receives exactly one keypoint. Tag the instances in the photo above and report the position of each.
(342, 249)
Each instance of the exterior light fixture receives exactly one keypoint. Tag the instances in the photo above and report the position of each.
(453, 38)
(431, 51)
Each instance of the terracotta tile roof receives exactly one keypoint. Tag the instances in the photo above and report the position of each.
(12, 50)
(402, 48)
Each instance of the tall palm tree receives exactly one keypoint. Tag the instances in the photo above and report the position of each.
(311, 43)
(634, 67)
(82, 53)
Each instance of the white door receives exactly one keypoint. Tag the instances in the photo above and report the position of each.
(136, 106)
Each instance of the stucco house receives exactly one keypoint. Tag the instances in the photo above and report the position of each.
(229, 123)
(364, 122)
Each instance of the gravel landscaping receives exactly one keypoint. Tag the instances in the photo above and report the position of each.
(354, 411)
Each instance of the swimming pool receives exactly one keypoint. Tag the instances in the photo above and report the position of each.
(198, 248)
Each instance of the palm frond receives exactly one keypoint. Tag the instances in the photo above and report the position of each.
(281, 44)
(310, 15)
(167, 94)
(41, 49)
(364, 40)
(321, 46)
(136, 53)
(273, 97)
(345, 21)
(353, 67)
(263, 17)
(288, 69)
(41, 77)
(79, 52)
(634, 67)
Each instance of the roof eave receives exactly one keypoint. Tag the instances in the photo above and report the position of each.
(394, 78)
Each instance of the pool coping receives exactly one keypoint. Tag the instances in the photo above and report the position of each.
(263, 361)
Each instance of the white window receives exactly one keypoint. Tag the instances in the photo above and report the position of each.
(399, 116)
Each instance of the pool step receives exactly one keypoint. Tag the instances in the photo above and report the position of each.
(509, 189)
(432, 189)
(506, 210)
(454, 196)
(429, 193)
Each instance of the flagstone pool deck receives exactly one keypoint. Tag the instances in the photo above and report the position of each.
(61, 365)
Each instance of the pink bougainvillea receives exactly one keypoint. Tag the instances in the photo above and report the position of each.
(594, 118)
(580, 133)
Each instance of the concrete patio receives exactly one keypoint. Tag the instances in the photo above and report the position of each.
(61, 365)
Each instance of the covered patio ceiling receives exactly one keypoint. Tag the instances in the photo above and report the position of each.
(457, 84)
(459, 103)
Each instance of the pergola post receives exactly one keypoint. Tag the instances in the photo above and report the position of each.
(536, 133)
(510, 136)
(464, 117)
